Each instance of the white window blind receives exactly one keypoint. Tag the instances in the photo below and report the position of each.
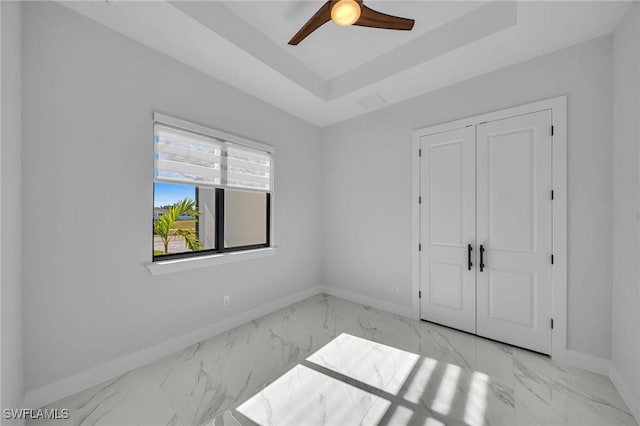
(182, 156)
(248, 168)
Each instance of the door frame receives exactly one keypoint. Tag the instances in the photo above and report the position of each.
(558, 107)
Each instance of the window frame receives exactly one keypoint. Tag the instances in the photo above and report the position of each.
(186, 126)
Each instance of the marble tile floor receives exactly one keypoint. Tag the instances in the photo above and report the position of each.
(327, 361)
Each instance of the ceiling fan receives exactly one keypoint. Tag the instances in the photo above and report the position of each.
(350, 12)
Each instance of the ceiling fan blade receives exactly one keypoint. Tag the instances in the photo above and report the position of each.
(322, 16)
(374, 19)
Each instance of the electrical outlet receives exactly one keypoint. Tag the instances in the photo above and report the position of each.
(227, 300)
(395, 289)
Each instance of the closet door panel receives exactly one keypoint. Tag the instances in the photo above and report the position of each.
(447, 227)
(514, 228)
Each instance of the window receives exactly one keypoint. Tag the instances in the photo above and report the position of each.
(212, 191)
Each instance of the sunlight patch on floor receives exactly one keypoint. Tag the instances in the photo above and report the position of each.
(374, 364)
(447, 389)
(352, 380)
(303, 396)
(418, 385)
(476, 406)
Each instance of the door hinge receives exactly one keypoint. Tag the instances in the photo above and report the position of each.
(552, 131)
(552, 259)
(552, 323)
(419, 200)
(420, 152)
(420, 294)
(419, 247)
(552, 195)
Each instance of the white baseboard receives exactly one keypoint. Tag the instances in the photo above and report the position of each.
(606, 368)
(626, 392)
(56, 391)
(588, 362)
(374, 302)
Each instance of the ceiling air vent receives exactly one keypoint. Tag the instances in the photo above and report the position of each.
(371, 101)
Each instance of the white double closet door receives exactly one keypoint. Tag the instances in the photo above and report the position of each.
(486, 230)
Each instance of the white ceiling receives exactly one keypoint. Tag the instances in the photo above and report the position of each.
(339, 73)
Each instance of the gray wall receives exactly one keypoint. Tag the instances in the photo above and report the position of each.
(89, 95)
(12, 384)
(366, 186)
(625, 351)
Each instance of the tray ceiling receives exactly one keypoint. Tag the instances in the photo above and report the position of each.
(333, 74)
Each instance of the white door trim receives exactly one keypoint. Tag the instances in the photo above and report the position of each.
(558, 107)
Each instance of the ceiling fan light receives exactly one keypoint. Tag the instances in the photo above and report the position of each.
(345, 12)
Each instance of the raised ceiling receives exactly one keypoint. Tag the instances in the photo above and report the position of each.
(339, 73)
(332, 50)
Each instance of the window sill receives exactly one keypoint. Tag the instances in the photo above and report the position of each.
(178, 265)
